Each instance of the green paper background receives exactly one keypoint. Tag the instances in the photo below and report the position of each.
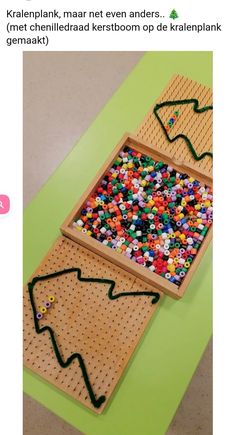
(162, 366)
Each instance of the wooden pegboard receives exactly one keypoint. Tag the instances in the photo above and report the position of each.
(85, 320)
(198, 127)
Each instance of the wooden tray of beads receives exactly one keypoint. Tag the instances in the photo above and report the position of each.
(197, 126)
(97, 316)
(174, 267)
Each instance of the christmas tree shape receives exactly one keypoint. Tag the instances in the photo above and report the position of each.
(174, 14)
(194, 104)
(41, 327)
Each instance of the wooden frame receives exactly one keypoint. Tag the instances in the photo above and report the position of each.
(127, 264)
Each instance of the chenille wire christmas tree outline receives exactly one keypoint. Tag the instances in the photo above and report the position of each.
(196, 109)
(97, 402)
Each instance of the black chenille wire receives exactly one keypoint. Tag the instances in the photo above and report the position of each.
(196, 109)
(97, 402)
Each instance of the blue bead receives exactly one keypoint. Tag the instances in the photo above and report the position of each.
(152, 253)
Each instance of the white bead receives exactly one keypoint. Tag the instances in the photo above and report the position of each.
(80, 223)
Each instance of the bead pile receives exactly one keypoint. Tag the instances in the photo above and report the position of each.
(149, 212)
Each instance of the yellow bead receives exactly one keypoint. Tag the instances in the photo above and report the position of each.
(89, 233)
(183, 203)
(79, 228)
(143, 183)
(197, 207)
(89, 215)
(186, 264)
(42, 310)
(125, 166)
(151, 202)
(114, 175)
(182, 236)
(51, 298)
(207, 203)
(191, 180)
(119, 250)
(199, 221)
(171, 267)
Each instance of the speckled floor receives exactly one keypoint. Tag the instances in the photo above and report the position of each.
(55, 116)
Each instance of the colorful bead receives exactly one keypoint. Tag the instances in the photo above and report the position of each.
(149, 212)
(39, 316)
(172, 120)
(51, 299)
(43, 310)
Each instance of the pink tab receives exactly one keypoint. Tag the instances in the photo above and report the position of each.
(4, 204)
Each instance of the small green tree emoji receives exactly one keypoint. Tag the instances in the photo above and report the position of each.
(174, 14)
